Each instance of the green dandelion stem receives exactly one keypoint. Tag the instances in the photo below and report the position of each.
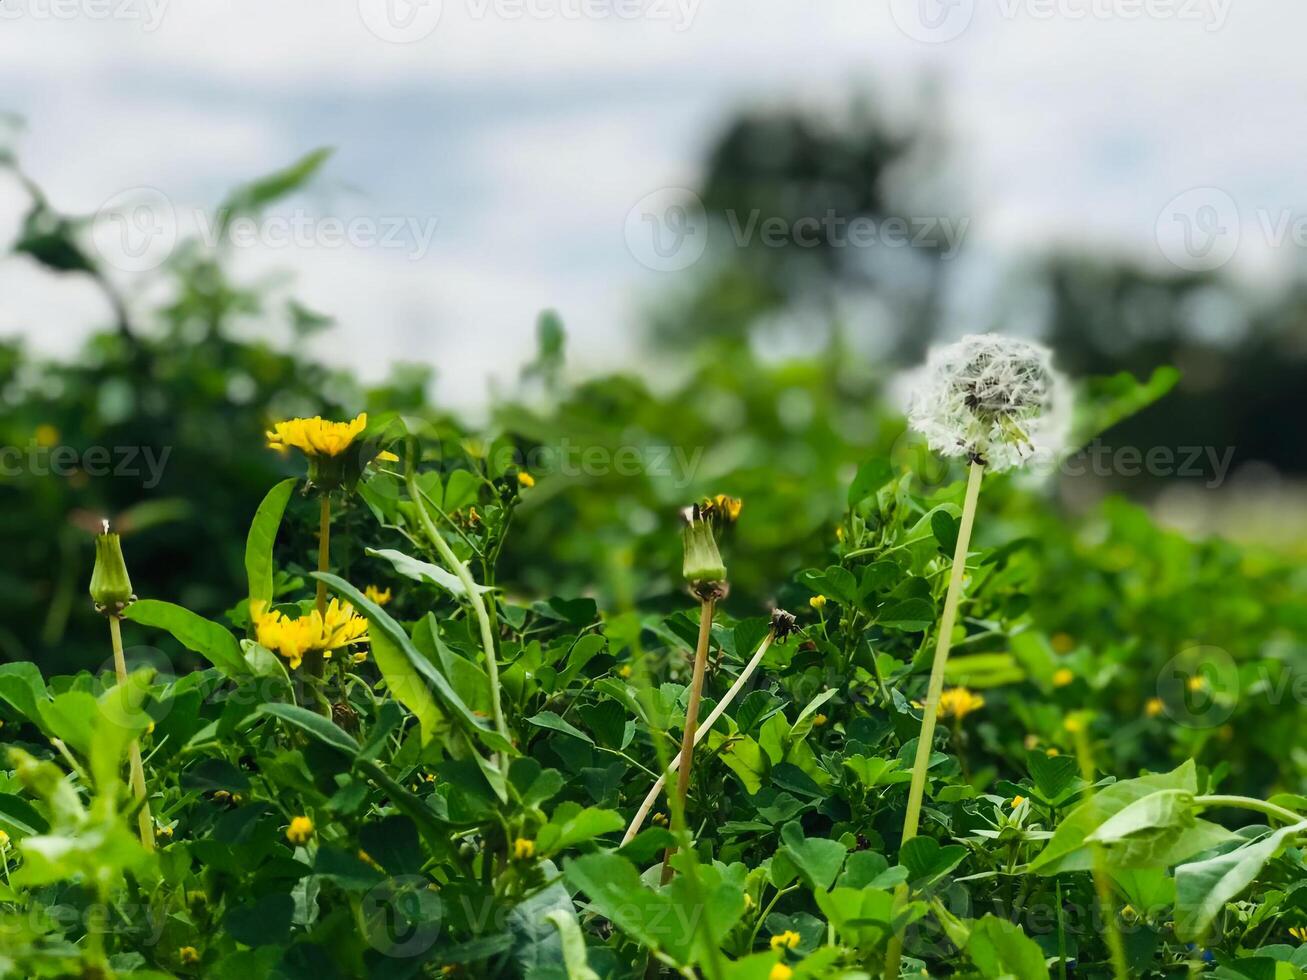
(136, 767)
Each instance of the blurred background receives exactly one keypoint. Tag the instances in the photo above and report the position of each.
(746, 218)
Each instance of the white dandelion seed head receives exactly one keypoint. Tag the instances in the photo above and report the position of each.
(992, 398)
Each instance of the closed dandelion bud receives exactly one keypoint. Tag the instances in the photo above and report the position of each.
(703, 562)
(111, 588)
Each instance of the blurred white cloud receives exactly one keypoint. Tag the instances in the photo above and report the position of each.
(527, 129)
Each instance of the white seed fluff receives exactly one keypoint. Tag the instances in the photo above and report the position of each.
(992, 398)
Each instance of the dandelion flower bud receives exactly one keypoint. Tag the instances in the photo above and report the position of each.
(995, 399)
(703, 562)
(111, 588)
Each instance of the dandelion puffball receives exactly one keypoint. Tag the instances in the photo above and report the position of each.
(995, 399)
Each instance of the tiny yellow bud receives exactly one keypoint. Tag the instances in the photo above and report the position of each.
(818, 602)
(526, 480)
(818, 720)
(1197, 683)
(1051, 752)
(780, 972)
(111, 588)
(523, 849)
(624, 671)
(1017, 801)
(1074, 724)
(1062, 677)
(1154, 707)
(189, 955)
(4, 841)
(300, 830)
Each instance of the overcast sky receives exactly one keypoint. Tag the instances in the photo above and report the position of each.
(491, 154)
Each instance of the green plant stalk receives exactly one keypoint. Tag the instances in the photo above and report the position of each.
(136, 767)
(638, 820)
(691, 726)
(1249, 803)
(469, 586)
(1098, 870)
(930, 712)
(315, 664)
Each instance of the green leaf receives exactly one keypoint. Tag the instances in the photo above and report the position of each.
(571, 824)
(382, 623)
(909, 615)
(871, 476)
(927, 862)
(1068, 850)
(819, 860)
(1203, 887)
(573, 944)
(424, 571)
(194, 632)
(548, 719)
(265, 922)
(323, 729)
(71, 717)
(1144, 832)
(23, 689)
(19, 818)
(945, 528)
(1054, 775)
(406, 684)
(1001, 950)
(259, 542)
(252, 198)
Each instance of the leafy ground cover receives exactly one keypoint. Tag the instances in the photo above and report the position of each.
(425, 749)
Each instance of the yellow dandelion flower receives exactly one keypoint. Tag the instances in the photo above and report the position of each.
(1051, 752)
(1063, 676)
(1154, 707)
(188, 955)
(293, 639)
(818, 602)
(723, 509)
(4, 841)
(818, 720)
(377, 594)
(526, 480)
(789, 939)
(300, 830)
(958, 702)
(316, 436)
(1197, 683)
(1017, 801)
(624, 671)
(1299, 933)
(780, 972)
(523, 849)
(1074, 724)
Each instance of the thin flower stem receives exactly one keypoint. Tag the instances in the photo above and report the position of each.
(473, 597)
(638, 820)
(324, 549)
(137, 769)
(691, 725)
(1248, 803)
(935, 688)
(1098, 868)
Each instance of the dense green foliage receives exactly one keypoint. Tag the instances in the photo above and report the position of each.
(1125, 700)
